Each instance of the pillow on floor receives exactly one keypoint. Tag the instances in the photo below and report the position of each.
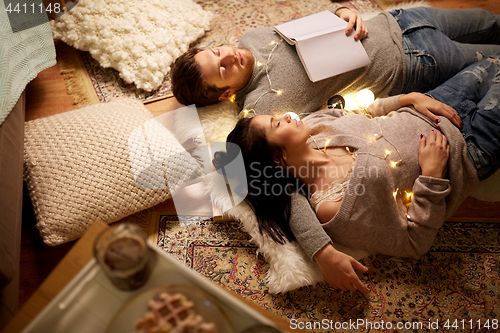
(101, 162)
(138, 38)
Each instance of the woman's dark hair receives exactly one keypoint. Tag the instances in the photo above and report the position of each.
(259, 157)
(188, 85)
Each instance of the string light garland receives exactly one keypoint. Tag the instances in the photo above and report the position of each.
(387, 152)
(361, 100)
(245, 112)
(326, 146)
(405, 196)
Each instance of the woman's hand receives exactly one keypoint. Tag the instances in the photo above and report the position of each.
(339, 269)
(430, 107)
(352, 20)
(433, 154)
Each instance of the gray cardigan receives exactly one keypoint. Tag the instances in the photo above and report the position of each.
(369, 216)
(384, 76)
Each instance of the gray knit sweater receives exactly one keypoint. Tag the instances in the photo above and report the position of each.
(369, 216)
(384, 76)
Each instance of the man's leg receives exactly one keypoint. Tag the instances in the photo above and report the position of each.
(473, 26)
(434, 43)
(475, 94)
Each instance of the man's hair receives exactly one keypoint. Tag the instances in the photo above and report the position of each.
(188, 85)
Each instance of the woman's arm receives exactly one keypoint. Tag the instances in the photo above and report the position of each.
(427, 211)
(422, 103)
(338, 268)
(433, 154)
(305, 226)
(430, 107)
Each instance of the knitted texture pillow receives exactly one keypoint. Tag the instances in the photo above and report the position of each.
(138, 38)
(104, 161)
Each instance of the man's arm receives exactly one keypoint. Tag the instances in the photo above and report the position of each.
(354, 21)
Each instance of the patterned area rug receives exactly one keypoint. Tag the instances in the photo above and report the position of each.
(232, 18)
(453, 288)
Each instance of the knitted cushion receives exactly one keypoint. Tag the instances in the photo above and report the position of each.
(105, 161)
(138, 38)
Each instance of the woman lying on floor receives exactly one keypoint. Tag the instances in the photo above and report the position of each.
(386, 184)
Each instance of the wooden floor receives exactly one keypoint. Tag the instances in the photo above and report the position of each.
(46, 95)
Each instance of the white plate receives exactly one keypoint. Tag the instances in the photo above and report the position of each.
(135, 309)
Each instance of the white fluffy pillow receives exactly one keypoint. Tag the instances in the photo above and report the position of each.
(218, 120)
(138, 38)
(101, 162)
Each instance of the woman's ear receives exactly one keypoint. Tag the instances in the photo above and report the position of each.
(282, 160)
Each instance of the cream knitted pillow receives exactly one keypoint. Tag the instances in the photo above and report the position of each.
(138, 38)
(78, 168)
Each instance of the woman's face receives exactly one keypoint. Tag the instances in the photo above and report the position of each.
(284, 131)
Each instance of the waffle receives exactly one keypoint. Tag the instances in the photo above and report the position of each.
(172, 313)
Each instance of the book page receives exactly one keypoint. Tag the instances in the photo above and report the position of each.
(331, 54)
(311, 26)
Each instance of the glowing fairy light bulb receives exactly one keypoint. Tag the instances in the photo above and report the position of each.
(232, 98)
(279, 92)
(387, 152)
(244, 113)
(258, 64)
(327, 141)
(273, 42)
(395, 193)
(409, 195)
(293, 115)
(406, 198)
(364, 98)
(350, 102)
(361, 99)
(393, 164)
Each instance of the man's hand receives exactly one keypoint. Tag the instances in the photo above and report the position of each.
(352, 20)
(339, 269)
(430, 107)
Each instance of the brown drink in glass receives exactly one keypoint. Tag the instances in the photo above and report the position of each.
(123, 254)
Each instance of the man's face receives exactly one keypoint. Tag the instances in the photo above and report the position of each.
(226, 67)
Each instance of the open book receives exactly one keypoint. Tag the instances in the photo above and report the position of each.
(323, 46)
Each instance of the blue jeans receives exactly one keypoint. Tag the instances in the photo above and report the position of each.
(475, 94)
(439, 42)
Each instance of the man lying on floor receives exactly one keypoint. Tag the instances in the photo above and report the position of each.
(411, 50)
